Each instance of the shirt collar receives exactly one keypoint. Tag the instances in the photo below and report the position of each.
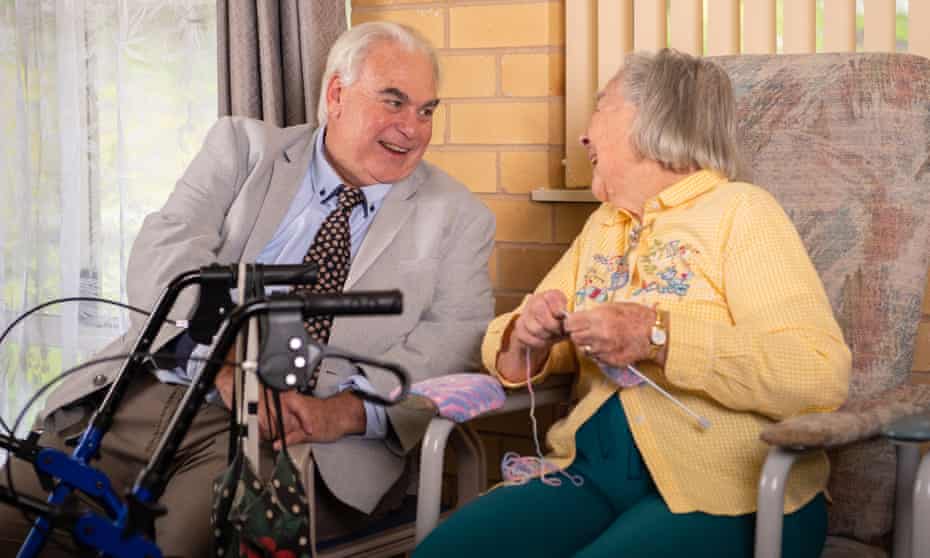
(327, 182)
(687, 189)
(677, 194)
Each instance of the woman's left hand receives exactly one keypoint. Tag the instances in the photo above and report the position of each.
(616, 333)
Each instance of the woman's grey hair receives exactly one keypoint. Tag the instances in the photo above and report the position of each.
(348, 53)
(685, 111)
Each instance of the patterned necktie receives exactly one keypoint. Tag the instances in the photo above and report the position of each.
(331, 251)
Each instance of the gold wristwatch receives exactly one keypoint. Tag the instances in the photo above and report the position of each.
(658, 336)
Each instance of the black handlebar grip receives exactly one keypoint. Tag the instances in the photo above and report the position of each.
(291, 274)
(352, 303)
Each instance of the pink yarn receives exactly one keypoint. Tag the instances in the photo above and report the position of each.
(517, 469)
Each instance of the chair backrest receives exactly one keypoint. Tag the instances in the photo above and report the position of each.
(843, 142)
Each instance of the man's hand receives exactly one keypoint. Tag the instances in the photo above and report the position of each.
(322, 420)
(306, 418)
(616, 333)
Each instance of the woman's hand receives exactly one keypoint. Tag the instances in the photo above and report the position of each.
(540, 325)
(538, 328)
(615, 334)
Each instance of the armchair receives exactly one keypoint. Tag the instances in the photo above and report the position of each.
(843, 142)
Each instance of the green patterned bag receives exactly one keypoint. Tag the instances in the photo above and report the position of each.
(252, 519)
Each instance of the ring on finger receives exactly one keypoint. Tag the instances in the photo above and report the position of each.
(586, 349)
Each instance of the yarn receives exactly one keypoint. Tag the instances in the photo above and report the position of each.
(517, 469)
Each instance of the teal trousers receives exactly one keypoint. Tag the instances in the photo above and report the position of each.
(616, 512)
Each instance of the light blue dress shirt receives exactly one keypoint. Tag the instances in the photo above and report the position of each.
(314, 201)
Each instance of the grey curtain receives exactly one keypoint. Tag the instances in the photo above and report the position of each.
(272, 54)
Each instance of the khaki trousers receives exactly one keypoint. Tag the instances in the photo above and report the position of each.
(185, 530)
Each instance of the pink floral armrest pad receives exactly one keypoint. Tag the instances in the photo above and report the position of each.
(462, 397)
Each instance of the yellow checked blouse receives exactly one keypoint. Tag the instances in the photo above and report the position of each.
(752, 339)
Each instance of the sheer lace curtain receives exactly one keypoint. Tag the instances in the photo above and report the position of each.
(102, 105)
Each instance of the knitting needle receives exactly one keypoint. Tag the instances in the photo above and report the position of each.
(703, 423)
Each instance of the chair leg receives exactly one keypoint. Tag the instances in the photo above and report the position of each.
(470, 464)
(771, 507)
(429, 492)
(908, 501)
(922, 508)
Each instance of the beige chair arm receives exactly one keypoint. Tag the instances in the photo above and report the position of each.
(472, 477)
(854, 422)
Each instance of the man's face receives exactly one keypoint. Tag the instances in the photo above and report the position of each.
(379, 126)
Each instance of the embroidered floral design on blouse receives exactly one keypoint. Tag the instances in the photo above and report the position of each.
(604, 276)
(666, 268)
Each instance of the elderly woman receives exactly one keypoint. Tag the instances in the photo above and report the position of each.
(703, 285)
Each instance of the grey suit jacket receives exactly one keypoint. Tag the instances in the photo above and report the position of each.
(431, 239)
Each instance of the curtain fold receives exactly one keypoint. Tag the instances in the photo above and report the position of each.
(102, 105)
(271, 55)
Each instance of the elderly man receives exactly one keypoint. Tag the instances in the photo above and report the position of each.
(259, 193)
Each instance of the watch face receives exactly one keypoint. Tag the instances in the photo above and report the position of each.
(657, 336)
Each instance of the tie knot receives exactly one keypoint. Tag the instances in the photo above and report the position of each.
(350, 197)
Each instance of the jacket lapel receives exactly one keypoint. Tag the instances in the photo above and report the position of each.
(286, 176)
(392, 215)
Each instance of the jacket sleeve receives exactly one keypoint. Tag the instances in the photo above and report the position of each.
(784, 353)
(188, 231)
(447, 337)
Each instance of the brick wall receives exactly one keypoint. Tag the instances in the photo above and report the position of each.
(500, 131)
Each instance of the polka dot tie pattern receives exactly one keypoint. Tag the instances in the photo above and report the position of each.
(331, 251)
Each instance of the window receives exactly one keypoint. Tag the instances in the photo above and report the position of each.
(102, 105)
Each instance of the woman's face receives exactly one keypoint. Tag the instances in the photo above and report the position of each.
(608, 143)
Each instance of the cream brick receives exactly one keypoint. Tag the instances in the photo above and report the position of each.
(506, 25)
(522, 268)
(475, 169)
(367, 3)
(428, 21)
(505, 302)
(524, 171)
(533, 75)
(538, 122)
(520, 220)
(922, 347)
(468, 76)
(570, 219)
(440, 123)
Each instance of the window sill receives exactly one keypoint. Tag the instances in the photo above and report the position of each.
(563, 195)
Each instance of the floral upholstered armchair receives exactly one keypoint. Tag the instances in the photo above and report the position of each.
(843, 142)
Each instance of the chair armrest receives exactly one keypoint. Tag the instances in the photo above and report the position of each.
(889, 412)
(912, 428)
(855, 421)
(770, 514)
(463, 397)
(429, 485)
(912, 498)
(457, 399)
(556, 389)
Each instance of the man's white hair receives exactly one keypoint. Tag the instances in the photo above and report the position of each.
(347, 56)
